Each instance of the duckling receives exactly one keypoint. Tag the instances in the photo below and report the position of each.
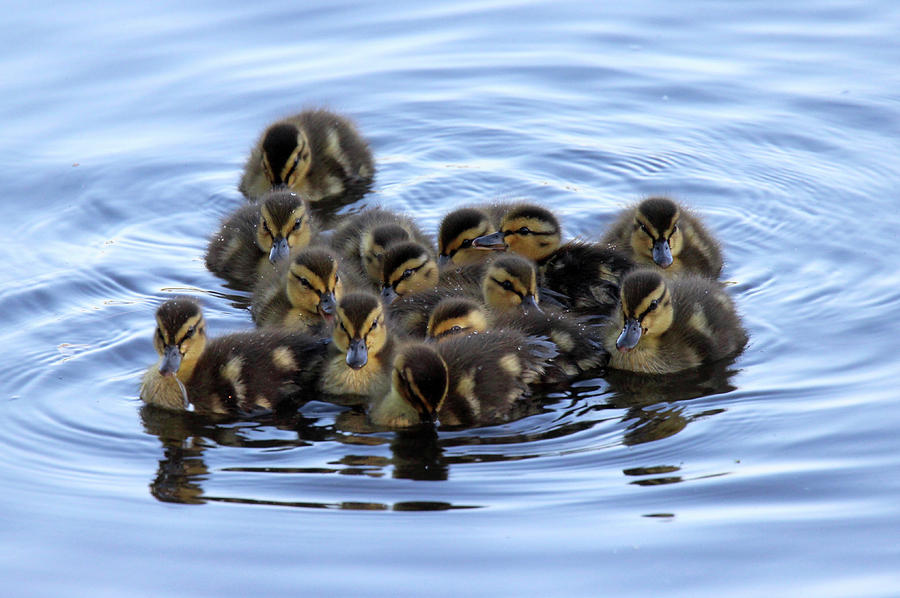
(668, 325)
(361, 349)
(258, 235)
(507, 283)
(364, 237)
(317, 153)
(582, 276)
(237, 374)
(301, 297)
(658, 231)
(467, 380)
(579, 346)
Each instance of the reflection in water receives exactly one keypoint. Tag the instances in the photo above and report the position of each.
(425, 453)
(647, 399)
(186, 436)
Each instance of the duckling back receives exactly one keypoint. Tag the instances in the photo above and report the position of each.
(317, 153)
(584, 277)
(490, 373)
(243, 373)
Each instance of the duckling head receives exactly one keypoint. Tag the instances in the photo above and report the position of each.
(408, 268)
(180, 336)
(456, 315)
(511, 282)
(284, 224)
(646, 306)
(655, 232)
(285, 155)
(457, 232)
(375, 242)
(421, 378)
(313, 284)
(360, 328)
(526, 229)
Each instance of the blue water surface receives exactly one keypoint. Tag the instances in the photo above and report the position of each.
(125, 130)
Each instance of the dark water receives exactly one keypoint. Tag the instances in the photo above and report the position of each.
(125, 128)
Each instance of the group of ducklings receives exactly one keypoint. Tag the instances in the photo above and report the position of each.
(452, 334)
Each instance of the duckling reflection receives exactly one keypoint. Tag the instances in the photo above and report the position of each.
(656, 406)
(416, 453)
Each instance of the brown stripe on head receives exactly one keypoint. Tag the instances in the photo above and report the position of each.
(660, 214)
(357, 311)
(176, 315)
(317, 260)
(388, 234)
(639, 288)
(278, 144)
(281, 207)
(420, 376)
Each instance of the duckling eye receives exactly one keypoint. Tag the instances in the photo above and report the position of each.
(465, 244)
(374, 325)
(266, 228)
(407, 273)
(189, 333)
(297, 223)
(654, 304)
(305, 283)
(456, 328)
(524, 230)
(646, 230)
(507, 285)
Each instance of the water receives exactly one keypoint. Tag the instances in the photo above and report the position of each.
(125, 128)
